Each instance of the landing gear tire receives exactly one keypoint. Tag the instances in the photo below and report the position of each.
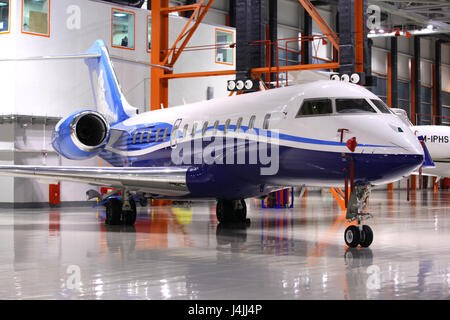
(352, 236)
(129, 217)
(366, 236)
(113, 212)
(231, 211)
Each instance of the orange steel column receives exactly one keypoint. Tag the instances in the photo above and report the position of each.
(159, 93)
(359, 36)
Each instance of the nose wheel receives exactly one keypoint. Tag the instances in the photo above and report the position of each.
(360, 234)
(354, 236)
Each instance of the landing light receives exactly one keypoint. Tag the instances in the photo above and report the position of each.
(231, 85)
(240, 85)
(248, 84)
(345, 78)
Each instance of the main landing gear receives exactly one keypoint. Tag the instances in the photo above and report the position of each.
(360, 234)
(121, 211)
(231, 211)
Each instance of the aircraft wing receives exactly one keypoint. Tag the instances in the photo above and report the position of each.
(158, 180)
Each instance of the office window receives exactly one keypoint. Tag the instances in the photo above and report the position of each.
(315, 107)
(266, 122)
(404, 96)
(424, 112)
(4, 16)
(224, 54)
(36, 17)
(122, 30)
(149, 33)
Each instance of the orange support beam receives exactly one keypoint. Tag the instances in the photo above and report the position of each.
(327, 31)
(359, 36)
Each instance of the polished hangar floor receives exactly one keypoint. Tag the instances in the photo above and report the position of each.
(178, 252)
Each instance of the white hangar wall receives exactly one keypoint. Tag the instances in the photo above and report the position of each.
(36, 93)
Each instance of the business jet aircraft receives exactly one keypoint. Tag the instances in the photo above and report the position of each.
(315, 134)
(437, 140)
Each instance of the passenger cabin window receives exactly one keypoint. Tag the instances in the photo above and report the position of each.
(238, 125)
(205, 127)
(266, 122)
(4, 16)
(315, 107)
(251, 123)
(135, 137)
(194, 129)
(122, 29)
(381, 106)
(227, 124)
(216, 126)
(36, 17)
(353, 106)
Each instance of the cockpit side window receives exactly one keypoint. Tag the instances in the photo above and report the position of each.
(353, 106)
(381, 106)
(315, 107)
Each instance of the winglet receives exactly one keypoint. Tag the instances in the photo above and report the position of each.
(428, 163)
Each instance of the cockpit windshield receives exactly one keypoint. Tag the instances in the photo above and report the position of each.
(353, 106)
(381, 106)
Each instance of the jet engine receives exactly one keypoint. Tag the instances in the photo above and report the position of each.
(81, 135)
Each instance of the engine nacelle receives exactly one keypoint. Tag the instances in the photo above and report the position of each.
(81, 135)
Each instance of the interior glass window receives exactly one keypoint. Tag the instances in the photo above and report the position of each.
(381, 106)
(353, 106)
(315, 107)
(224, 54)
(4, 16)
(122, 29)
(36, 17)
(149, 34)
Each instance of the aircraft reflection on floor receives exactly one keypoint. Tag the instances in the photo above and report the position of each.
(182, 252)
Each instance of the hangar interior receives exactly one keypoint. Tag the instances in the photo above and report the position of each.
(401, 51)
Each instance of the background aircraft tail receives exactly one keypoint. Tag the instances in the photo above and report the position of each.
(109, 99)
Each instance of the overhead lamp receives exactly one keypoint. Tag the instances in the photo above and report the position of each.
(381, 31)
(372, 31)
(231, 85)
(335, 77)
(119, 15)
(248, 84)
(239, 85)
(355, 78)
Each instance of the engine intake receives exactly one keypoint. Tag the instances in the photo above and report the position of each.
(81, 135)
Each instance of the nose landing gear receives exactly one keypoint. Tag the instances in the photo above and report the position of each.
(360, 234)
